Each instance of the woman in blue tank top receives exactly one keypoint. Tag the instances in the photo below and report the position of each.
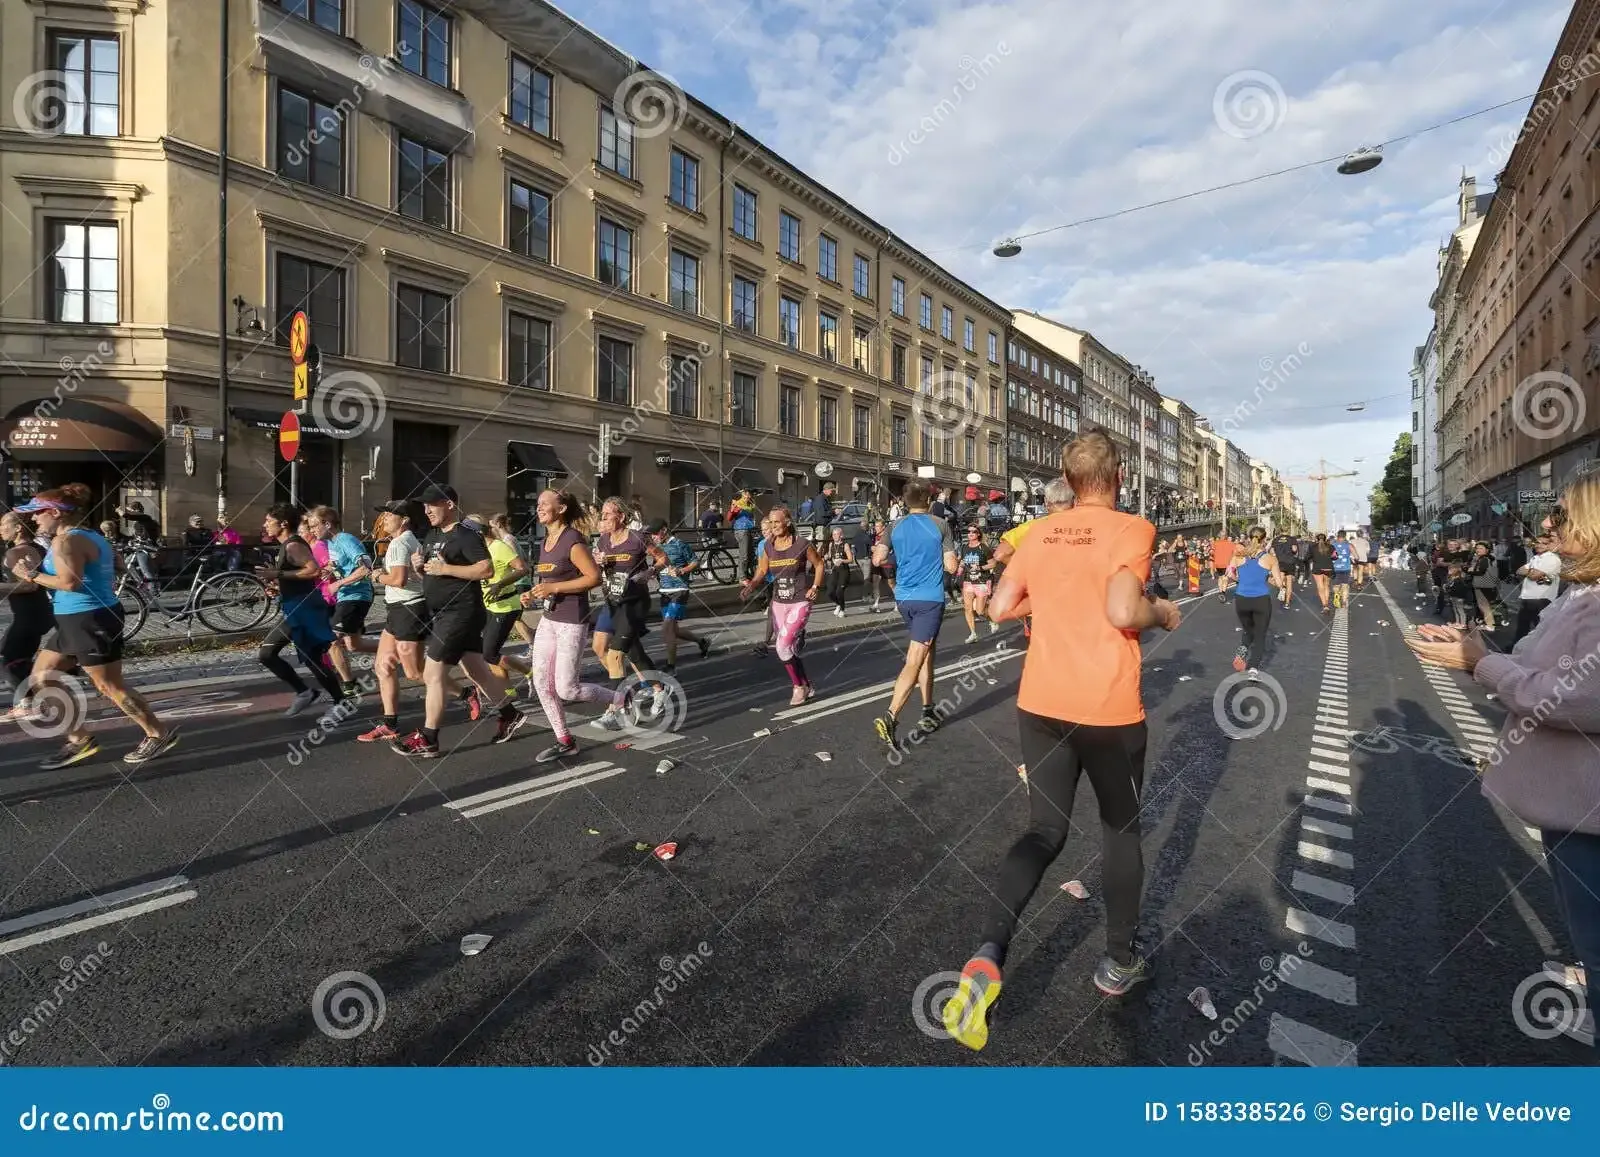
(80, 573)
(1256, 569)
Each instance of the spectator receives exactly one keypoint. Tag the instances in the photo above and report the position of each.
(1485, 582)
(742, 516)
(1541, 583)
(140, 524)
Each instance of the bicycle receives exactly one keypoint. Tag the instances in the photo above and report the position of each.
(715, 563)
(225, 603)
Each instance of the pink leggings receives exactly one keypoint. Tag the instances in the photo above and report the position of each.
(788, 624)
(557, 659)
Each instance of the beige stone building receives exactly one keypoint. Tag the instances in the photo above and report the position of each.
(1107, 377)
(506, 236)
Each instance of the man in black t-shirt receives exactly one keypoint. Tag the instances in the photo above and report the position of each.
(1287, 552)
(453, 561)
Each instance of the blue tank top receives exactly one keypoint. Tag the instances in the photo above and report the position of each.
(99, 579)
(1253, 578)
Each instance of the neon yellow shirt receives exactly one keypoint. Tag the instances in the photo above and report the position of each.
(1013, 537)
(502, 554)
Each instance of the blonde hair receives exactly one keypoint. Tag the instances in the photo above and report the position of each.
(1579, 535)
(1091, 463)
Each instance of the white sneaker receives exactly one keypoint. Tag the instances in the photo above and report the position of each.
(877, 605)
(1255, 676)
(658, 704)
(994, 628)
(838, 612)
(973, 637)
(301, 701)
(611, 720)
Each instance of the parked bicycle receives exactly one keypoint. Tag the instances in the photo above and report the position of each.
(224, 602)
(716, 562)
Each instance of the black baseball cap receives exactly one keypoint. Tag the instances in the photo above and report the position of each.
(439, 495)
(396, 507)
(656, 526)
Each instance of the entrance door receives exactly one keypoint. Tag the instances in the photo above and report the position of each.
(615, 481)
(421, 457)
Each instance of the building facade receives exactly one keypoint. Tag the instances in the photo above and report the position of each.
(1107, 378)
(1188, 448)
(1425, 471)
(1043, 390)
(524, 260)
(1450, 328)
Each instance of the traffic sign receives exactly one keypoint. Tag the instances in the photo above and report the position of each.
(289, 436)
(299, 337)
(302, 381)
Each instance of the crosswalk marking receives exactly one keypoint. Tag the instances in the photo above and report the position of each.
(1328, 785)
(1327, 768)
(1305, 1045)
(832, 705)
(1322, 855)
(1303, 923)
(526, 785)
(1326, 828)
(1305, 884)
(1337, 807)
(1319, 981)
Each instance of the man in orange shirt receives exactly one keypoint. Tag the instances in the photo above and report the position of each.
(1081, 573)
(1222, 550)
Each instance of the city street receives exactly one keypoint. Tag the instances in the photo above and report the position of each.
(1344, 895)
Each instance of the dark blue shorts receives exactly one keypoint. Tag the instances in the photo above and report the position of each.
(674, 606)
(922, 620)
(1341, 578)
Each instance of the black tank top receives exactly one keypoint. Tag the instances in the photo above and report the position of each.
(28, 606)
(837, 554)
(555, 566)
(290, 589)
(791, 577)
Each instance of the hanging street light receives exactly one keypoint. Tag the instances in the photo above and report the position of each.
(1362, 160)
(1010, 247)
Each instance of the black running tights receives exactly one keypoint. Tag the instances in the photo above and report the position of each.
(271, 657)
(1056, 754)
(1255, 616)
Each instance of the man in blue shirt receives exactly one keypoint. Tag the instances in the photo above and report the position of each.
(1341, 569)
(924, 554)
(675, 562)
(349, 581)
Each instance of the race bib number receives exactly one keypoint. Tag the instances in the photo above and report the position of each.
(787, 586)
(616, 586)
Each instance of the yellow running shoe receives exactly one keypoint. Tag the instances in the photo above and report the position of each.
(966, 1014)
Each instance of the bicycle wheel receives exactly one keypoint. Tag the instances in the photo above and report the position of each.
(232, 601)
(720, 566)
(135, 610)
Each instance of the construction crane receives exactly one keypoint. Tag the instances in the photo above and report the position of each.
(1321, 478)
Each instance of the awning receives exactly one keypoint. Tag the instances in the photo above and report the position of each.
(272, 419)
(538, 458)
(691, 472)
(743, 478)
(78, 429)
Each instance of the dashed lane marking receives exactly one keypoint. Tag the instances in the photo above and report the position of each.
(94, 912)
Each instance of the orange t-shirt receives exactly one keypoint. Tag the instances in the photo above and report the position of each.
(1221, 552)
(1079, 668)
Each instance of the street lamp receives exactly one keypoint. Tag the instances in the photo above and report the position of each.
(247, 319)
(1010, 247)
(1362, 160)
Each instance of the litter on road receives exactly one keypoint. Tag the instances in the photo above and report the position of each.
(1184, 678)
(765, 731)
(1201, 999)
(825, 757)
(474, 943)
(1075, 889)
(666, 851)
(665, 766)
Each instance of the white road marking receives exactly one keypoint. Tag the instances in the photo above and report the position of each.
(1312, 977)
(1337, 807)
(1305, 1045)
(1325, 828)
(553, 789)
(832, 705)
(1327, 768)
(1330, 754)
(1321, 855)
(526, 785)
(1305, 884)
(92, 904)
(99, 920)
(1303, 923)
(1328, 785)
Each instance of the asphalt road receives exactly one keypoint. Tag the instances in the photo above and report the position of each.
(813, 903)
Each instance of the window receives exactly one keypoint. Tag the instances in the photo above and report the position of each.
(863, 277)
(530, 96)
(616, 143)
(789, 322)
(994, 401)
(83, 272)
(972, 394)
(897, 436)
(789, 411)
(827, 258)
(1011, 393)
(742, 401)
(423, 190)
(927, 444)
(897, 296)
(685, 181)
(925, 312)
(861, 350)
(318, 290)
(422, 329)
(994, 458)
(86, 95)
(994, 348)
(744, 212)
(861, 431)
(528, 352)
(788, 237)
(947, 323)
(744, 304)
(969, 341)
(828, 336)
(614, 258)
(927, 375)
(683, 387)
(327, 14)
(828, 420)
(528, 221)
(613, 370)
(969, 451)
(423, 41)
(1414, 420)
(310, 141)
(1034, 358)
(683, 282)
(897, 364)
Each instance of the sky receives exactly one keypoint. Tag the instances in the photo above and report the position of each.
(1059, 110)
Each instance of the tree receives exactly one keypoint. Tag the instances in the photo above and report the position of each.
(1391, 498)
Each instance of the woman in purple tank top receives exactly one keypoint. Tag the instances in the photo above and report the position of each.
(563, 576)
(796, 571)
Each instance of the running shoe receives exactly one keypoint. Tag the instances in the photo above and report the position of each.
(352, 689)
(301, 701)
(972, 636)
(929, 723)
(1238, 660)
(759, 650)
(560, 749)
(994, 628)
(885, 726)
(611, 720)
(705, 647)
(1255, 676)
(381, 731)
(151, 747)
(474, 704)
(508, 725)
(659, 703)
(1115, 979)
(966, 1014)
(797, 697)
(416, 744)
(69, 754)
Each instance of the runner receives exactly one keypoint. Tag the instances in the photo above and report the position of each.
(761, 648)
(1303, 557)
(796, 570)
(1342, 561)
(977, 575)
(674, 562)
(564, 575)
(1180, 562)
(882, 573)
(453, 561)
(1057, 497)
(500, 525)
(78, 571)
(348, 580)
(1079, 712)
(924, 556)
(1222, 549)
(307, 617)
(405, 621)
(1288, 563)
(1258, 573)
(1322, 568)
(624, 560)
(502, 602)
(839, 558)
(31, 616)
